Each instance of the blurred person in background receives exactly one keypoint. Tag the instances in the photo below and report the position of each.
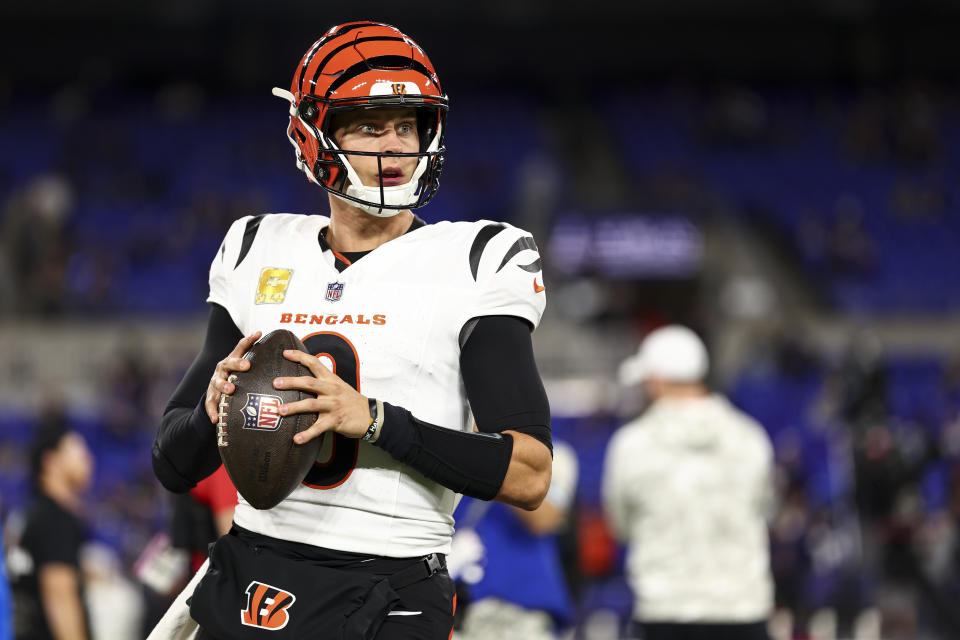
(35, 245)
(890, 460)
(198, 518)
(48, 586)
(6, 605)
(203, 515)
(509, 564)
(689, 487)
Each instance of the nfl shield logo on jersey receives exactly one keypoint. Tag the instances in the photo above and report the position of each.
(262, 412)
(334, 291)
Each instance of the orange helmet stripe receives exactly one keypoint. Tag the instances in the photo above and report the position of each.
(339, 31)
(330, 56)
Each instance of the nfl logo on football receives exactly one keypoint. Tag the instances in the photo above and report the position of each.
(334, 291)
(262, 412)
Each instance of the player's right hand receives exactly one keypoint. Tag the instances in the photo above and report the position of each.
(220, 381)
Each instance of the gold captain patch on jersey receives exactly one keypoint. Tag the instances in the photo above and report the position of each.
(273, 285)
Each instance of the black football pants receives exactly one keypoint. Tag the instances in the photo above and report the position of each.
(700, 631)
(425, 611)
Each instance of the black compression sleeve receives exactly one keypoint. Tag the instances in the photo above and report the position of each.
(185, 450)
(473, 464)
(505, 392)
(501, 378)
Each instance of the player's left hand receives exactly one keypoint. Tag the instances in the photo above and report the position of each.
(339, 407)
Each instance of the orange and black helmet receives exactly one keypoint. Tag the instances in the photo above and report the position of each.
(362, 65)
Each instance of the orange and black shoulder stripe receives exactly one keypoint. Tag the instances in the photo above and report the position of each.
(486, 234)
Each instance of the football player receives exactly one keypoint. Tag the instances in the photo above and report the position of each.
(418, 330)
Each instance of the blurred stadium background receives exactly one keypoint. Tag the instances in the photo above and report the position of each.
(784, 179)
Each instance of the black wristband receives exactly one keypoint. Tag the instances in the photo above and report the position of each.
(473, 464)
(376, 421)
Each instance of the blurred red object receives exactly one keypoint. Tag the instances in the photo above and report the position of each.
(597, 547)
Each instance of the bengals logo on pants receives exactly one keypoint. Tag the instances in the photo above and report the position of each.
(266, 607)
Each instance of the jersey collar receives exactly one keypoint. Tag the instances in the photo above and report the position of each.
(343, 260)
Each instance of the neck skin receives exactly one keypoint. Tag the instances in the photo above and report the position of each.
(57, 487)
(658, 389)
(352, 229)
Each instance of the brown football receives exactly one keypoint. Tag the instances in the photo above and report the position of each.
(255, 441)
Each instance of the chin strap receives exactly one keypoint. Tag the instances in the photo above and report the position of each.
(398, 195)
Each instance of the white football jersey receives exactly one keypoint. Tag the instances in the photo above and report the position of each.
(389, 324)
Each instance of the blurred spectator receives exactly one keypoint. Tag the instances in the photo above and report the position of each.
(689, 487)
(917, 133)
(47, 583)
(198, 519)
(113, 601)
(897, 539)
(852, 251)
(860, 383)
(792, 352)
(128, 386)
(736, 116)
(865, 137)
(6, 608)
(203, 515)
(919, 202)
(35, 243)
(509, 562)
(790, 559)
(905, 128)
(889, 466)
(950, 384)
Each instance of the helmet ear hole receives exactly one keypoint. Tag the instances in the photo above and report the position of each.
(308, 110)
(426, 126)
